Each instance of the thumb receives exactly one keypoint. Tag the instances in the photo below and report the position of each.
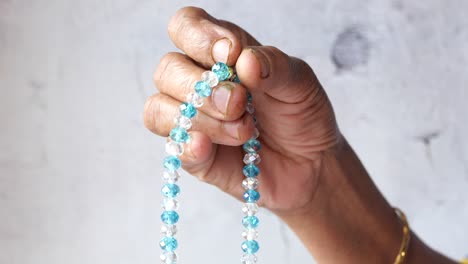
(269, 70)
(292, 107)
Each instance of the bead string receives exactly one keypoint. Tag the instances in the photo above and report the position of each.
(178, 137)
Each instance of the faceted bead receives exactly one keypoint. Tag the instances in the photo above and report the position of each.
(250, 234)
(179, 135)
(210, 77)
(250, 183)
(249, 259)
(250, 246)
(172, 163)
(174, 148)
(250, 222)
(170, 204)
(222, 71)
(256, 133)
(203, 89)
(251, 196)
(171, 176)
(170, 217)
(169, 257)
(252, 158)
(183, 122)
(250, 209)
(188, 110)
(236, 79)
(170, 190)
(250, 108)
(195, 99)
(252, 146)
(168, 230)
(251, 170)
(168, 244)
(249, 97)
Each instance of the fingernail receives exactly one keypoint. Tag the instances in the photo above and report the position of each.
(232, 128)
(221, 96)
(220, 50)
(264, 63)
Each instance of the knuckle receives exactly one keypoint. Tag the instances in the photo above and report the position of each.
(182, 15)
(168, 63)
(155, 116)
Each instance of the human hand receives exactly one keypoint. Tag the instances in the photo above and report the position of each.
(296, 120)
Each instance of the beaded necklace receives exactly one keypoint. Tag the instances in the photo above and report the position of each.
(175, 147)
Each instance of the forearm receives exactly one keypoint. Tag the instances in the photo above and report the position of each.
(349, 221)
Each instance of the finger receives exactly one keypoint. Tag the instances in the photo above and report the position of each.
(161, 111)
(206, 39)
(269, 70)
(177, 75)
(214, 164)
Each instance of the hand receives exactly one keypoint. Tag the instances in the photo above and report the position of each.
(296, 119)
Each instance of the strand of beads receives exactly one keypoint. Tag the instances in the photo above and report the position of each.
(178, 137)
(251, 195)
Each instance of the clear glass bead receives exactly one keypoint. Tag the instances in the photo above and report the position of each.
(183, 122)
(250, 108)
(250, 208)
(168, 257)
(174, 148)
(168, 230)
(249, 259)
(256, 134)
(195, 99)
(250, 183)
(250, 234)
(252, 158)
(170, 204)
(171, 176)
(210, 77)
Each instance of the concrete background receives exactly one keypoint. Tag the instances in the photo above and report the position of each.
(80, 175)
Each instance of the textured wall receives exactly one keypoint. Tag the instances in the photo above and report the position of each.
(80, 175)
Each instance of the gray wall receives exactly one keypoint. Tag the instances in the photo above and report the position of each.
(80, 175)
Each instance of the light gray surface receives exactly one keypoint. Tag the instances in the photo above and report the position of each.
(79, 174)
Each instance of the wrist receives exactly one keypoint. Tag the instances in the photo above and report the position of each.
(348, 220)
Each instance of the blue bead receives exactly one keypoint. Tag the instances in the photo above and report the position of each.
(251, 170)
(188, 110)
(203, 89)
(170, 190)
(249, 97)
(236, 79)
(170, 217)
(252, 146)
(250, 222)
(172, 163)
(250, 246)
(179, 135)
(221, 70)
(168, 244)
(251, 196)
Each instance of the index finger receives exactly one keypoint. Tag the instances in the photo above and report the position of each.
(206, 39)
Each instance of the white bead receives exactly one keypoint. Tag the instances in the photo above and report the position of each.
(250, 183)
(183, 122)
(195, 99)
(171, 176)
(250, 108)
(169, 257)
(250, 234)
(256, 133)
(168, 230)
(250, 209)
(174, 148)
(249, 259)
(210, 77)
(170, 204)
(252, 158)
